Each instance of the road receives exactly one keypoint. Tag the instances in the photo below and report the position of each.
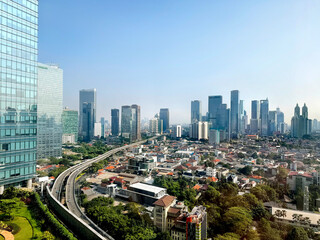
(71, 174)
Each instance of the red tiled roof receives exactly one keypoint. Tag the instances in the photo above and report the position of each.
(165, 201)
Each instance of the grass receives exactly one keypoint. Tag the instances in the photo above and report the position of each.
(22, 230)
(24, 224)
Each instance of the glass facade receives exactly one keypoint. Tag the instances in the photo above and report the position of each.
(70, 123)
(18, 90)
(87, 111)
(50, 98)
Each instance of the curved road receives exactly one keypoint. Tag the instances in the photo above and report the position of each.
(72, 174)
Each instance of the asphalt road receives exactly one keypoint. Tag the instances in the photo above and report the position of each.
(71, 174)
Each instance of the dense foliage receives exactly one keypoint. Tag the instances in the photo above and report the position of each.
(180, 188)
(13, 198)
(123, 222)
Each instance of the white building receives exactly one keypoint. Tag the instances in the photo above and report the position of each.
(199, 130)
(211, 172)
(69, 138)
(176, 131)
(97, 129)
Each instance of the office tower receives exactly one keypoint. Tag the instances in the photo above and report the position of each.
(242, 118)
(97, 129)
(18, 95)
(196, 111)
(115, 120)
(273, 127)
(70, 126)
(164, 116)
(176, 131)
(234, 118)
(50, 98)
(126, 121)
(214, 106)
(300, 124)
(199, 130)
(224, 118)
(255, 109)
(130, 122)
(315, 125)
(87, 111)
(103, 124)
(136, 134)
(280, 119)
(255, 117)
(264, 117)
(154, 126)
(214, 136)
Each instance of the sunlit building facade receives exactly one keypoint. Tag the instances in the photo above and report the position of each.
(18, 92)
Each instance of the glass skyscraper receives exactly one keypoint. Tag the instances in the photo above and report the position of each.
(234, 118)
(214, 106)
(50, 98)
(70, 126)
(264, 117)
(196, 111)
(87, 111)
(164, 116)
(115, 122)
(18, 91)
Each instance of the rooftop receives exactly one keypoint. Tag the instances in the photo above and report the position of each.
(147, 187)
(165, 201)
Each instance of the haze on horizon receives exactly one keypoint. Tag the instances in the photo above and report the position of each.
(166, 53)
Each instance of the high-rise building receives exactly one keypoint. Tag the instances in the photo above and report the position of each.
(50, 98)
(280, 119)
(154, 126)
(234, 118)
(214, 136)
(127, 119)
(264, 117)
(255, 117)
(103, 124)
(70, 126)
(130, 122)
(18, 92)
(196, 111)
(115, 120)
(97, 129)
(199, 130)
(87, 111)
(242, 118)
(300, 124)
(164, 116)
(273, 127)
(214, 106)
(136, 134)
(176, 131)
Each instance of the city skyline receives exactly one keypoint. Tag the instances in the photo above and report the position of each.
(214, 44)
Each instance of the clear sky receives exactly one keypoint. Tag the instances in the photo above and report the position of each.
(165, 53)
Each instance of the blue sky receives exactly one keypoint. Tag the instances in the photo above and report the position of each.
(167, 53)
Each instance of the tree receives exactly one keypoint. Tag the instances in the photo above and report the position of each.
(297, 233)
(163, 236)
(238, 220)
(227, 236)
(47, 236)
(245, 170)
